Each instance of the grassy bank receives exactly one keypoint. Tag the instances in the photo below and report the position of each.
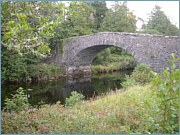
(111, 67)
(116, 113)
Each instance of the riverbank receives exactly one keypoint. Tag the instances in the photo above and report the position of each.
(115, 113)
(111, 67)
(38, 72)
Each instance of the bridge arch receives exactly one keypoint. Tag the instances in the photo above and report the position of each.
(154, 50)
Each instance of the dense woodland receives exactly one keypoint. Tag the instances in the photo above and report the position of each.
(29, 30)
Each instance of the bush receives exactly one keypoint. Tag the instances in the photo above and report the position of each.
(15, 67)
(18, 102)
(129, 81)
(142, 67)
(167, 88)
(75, 98)
(140, 75)
(41, 70)
(141, 78)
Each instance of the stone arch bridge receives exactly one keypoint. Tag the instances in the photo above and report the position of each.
(79, 52)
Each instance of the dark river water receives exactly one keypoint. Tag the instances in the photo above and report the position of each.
(52, 91)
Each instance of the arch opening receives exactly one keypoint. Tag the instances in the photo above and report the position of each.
(81, 62)
(113, 59)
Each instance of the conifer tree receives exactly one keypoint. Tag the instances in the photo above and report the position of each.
(160, 22)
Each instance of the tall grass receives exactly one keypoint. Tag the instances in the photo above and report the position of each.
(115, 113)
(110, 67)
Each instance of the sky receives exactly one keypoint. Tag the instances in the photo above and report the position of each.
(143, 8)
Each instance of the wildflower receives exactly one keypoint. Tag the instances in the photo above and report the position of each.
(98, 125)
(29, 110)
(15, 117)
(29, 122)
(22, 117)
(87, 104)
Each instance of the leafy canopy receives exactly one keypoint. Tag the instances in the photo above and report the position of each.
(25, 26)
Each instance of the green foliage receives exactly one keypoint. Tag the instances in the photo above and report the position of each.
(61, 32)
(44, 71)
(151, 54)
(140, 75)
(27, 28)
(18, 102)
(159, 22)
(118, 57)
(130, 81)
(141, 68)
(15, 67)
(114, 65)
(100, 7)
(150, 31)
(114, 113)
(120, 20)
(79, 24)
(167, 89)
(75, 98)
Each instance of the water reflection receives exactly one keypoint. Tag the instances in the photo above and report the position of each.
(52, 91)
(105, 82)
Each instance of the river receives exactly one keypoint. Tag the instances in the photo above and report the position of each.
(58, 90)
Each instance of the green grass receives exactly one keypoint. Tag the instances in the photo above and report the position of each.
(116, 113)
(110, 67)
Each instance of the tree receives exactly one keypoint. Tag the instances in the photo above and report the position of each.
(100, 7)
(25, 26)
(80, 23)
(160, 22)
(150, 31)
(119, 19)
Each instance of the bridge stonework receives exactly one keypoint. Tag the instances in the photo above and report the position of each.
(154, 50)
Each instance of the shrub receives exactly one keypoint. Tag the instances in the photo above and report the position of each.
(75, 98)
(140, 75)
(129, 81)
(167, 88)
(142, 67)
(141, 78)
(18, 102)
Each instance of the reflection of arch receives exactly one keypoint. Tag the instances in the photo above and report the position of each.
(153, 50)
